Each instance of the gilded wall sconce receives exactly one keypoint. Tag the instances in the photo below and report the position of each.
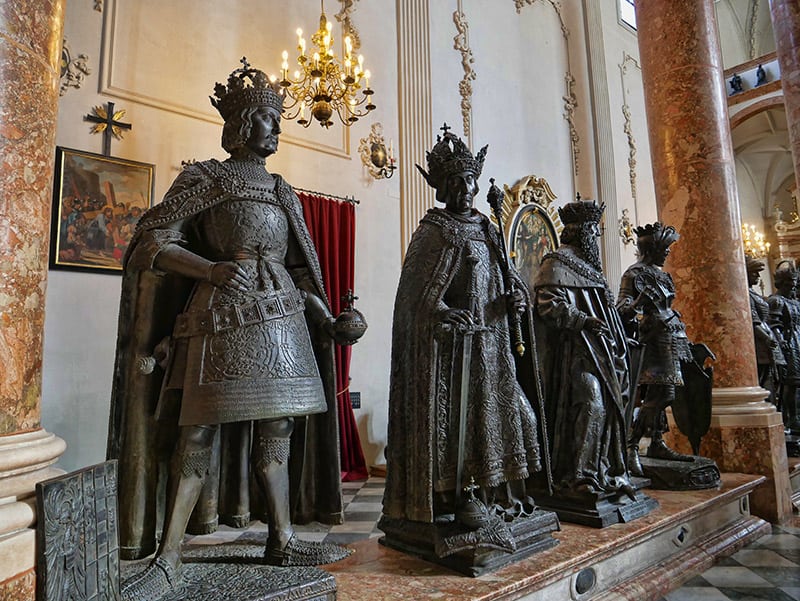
(376, 157)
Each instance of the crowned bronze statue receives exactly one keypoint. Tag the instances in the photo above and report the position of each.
(225, 357)
(769, 357)
(586, 367)
(785, 320)
(464, 435)
(672, 371)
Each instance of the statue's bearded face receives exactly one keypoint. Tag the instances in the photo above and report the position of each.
(588, 245)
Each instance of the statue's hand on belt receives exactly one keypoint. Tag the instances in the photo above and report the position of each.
(228, 275)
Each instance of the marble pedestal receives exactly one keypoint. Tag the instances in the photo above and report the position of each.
(640, 560)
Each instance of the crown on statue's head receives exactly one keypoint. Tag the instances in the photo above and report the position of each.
(450, 156)
(581, 211)
(660, 234)
(246, 87)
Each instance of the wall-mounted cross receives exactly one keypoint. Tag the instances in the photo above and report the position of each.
(108, 122)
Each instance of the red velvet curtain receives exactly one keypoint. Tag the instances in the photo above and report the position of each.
(331, 224)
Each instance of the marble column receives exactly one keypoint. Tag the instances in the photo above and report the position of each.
(30, 49)
(695, 184)
(785, 16)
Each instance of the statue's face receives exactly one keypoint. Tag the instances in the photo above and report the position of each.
(660, 256)
(461, 190)
(752, 277)
(264, 132)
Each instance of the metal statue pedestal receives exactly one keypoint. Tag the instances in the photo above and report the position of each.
(599, 510)
(472, 552)
(233, 572)
(681, 475)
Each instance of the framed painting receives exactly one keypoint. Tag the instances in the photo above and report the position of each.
(97, 201)
(532, 236)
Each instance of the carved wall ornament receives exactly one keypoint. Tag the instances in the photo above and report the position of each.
(343, 16)
(73, 70)
(570, 104)
(461, 43)
(98, 5)
(375, 156)
(626, 228)
(753, 28)
(529, 190)
(627, 126)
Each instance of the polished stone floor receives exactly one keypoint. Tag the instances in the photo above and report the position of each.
(768, 569)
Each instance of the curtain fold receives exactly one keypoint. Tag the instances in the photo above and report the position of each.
(331, 224)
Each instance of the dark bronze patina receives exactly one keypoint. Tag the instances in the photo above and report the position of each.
(464, 437)
(785, 321)
(586, 367)
(225, 357)
(672, 369)
(769, 356)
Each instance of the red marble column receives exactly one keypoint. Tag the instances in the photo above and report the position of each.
(786, 28)
(30, 48)
(695, 184)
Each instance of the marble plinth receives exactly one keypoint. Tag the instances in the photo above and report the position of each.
(640, 560)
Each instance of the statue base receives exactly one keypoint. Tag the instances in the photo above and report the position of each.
(471, 552)
(793, 445)
(599, 510)
(232, 572)
(681, 475)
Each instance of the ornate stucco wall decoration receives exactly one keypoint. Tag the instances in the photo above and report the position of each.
(570, 104)
(753, 28)
(461, 43)
(375, 156)
(73, 70)
(569, 98)
(98, 5)
(627, 126)
(343, 16)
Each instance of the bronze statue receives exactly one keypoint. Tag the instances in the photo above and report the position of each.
(784, 311)
(585, 363)
(225, 334)
(670, 362)
(459, 412)
(769, 357)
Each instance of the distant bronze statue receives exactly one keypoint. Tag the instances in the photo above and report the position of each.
(225, 336)
(586, 372)
(669, 359)
(784, 311)
(769, 357)
(463, 432)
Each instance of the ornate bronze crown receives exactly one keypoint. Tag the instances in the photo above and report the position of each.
(662, 235)
(449, 156)
(752, 264)
(238, 94)
(581, 211)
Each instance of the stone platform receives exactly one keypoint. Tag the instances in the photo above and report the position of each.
(640, 560)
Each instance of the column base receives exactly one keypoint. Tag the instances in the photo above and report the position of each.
(746, 436)
(25, 459)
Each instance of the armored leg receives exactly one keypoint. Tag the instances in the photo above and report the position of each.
(188, 470)
(271, 467)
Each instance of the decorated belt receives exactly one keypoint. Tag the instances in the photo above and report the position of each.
(219, 319)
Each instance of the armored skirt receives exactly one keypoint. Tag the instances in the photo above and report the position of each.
(244, 355)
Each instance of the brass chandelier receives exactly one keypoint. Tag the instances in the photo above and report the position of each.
(323, 85)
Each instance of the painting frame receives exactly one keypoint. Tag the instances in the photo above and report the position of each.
(527, 258)
(97, 201)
